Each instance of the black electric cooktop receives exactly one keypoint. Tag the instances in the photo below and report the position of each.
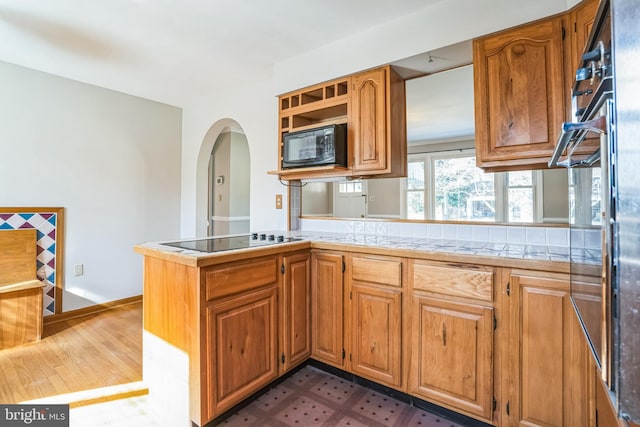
(219, 244)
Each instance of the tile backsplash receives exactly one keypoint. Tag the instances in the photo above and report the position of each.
(513, 234)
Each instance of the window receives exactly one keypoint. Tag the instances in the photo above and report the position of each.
(415, 189)
(350, 187)
(449, 187)
(461, 191)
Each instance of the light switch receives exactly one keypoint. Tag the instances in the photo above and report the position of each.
(278, 201)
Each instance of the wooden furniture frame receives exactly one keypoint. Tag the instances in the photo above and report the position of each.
(20, 290)
(60, 228)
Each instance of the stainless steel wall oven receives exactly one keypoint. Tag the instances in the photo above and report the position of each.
(602, 151)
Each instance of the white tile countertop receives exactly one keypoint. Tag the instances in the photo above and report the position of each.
(461, 247)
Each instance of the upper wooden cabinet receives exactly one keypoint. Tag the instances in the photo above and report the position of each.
(372, 104)
(519, 95)
(378, 125)
(582, 19)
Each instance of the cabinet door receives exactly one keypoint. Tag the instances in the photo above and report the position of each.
(376, 333)
(583, 18)
(327, 308)
(241, 347)
(369, 122)
(550, 365)
(296, 311)
(519, 95)
(452, 361)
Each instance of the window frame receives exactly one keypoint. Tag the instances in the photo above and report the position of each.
(501, 187)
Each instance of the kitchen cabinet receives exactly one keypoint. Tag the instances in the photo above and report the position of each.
(582, 19)
(376, 318)
(241, 347)
(378, 125)
(295, 309)
(240, 330)
(500, 344)
(452, 339)
(604, 414)
(548, 366)
(372, 103)
(520, 92)
(327, 287)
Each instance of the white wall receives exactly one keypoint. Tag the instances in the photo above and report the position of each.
(111, 160)
(252, 106)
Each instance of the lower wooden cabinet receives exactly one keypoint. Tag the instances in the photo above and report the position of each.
(327, 314)
(548, 365)
(295, 309)
(241, 346)
(452, 360)
(376, 334)
(375, 327)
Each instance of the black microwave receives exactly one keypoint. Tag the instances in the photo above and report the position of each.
(322, 146)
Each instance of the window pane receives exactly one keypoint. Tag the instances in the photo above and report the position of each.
(342, 187)
(415, 205)
(357, 187)
(520, 205)
(463, 191)
(415, 175)
(520, 178)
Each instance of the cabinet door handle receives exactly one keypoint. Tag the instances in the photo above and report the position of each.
(444, 334)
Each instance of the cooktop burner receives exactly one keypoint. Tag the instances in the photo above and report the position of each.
(219, 244)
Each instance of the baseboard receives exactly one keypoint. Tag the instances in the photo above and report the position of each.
(93, 309)
(94, 396)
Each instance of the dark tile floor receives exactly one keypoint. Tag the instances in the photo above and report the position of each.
(312, 397)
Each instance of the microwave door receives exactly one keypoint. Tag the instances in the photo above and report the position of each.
(302, 150)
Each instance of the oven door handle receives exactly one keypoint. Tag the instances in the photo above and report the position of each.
(570, 131)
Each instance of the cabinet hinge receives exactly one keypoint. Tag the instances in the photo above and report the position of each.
(350, 358)
(344, 266)
(282, 268)
(495, 403)
(350, 295)
(495, 323)
(344, 354)
(563, 33)
(283, 358)
(508, 409)
(508, 289)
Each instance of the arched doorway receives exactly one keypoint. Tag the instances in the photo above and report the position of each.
(223, 180)
(229, 184)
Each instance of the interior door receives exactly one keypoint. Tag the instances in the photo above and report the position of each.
(350, 199)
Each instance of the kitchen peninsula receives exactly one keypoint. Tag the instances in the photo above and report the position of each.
(441, 321)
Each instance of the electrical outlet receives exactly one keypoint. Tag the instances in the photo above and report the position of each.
(278, 201)
(78, 270)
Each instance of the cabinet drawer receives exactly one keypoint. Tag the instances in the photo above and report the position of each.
(384, 271)
(458, 281)
(238, 277)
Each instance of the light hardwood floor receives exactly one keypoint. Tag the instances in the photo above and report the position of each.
(83, 353)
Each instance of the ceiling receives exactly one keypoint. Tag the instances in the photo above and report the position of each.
(171, 51)
(439, 95)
